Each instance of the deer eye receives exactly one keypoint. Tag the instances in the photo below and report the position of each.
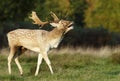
(62, 23)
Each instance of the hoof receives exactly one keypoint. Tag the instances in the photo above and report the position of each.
(36, 74)
(21, 74)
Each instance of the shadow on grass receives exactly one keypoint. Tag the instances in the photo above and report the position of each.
(73, 67)
(112, 73)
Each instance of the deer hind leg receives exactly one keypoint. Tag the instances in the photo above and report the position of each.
(10, 57)
(38, 64)
(20, 50)
(45, 56)
(18, 65)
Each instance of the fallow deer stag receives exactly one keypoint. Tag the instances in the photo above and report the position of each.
(40, 41)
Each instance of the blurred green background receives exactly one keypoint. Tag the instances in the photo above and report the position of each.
(97, 22)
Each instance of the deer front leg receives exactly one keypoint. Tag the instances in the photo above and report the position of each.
(45, 56)
(38, 64)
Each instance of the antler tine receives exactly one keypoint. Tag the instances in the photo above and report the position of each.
(36, 20)
(56, 19)
(66, 15)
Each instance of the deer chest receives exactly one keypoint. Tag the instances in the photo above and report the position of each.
(55, 42)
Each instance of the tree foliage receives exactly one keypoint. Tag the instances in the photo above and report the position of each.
(61, 8)
(18, 10)
(15, 10)
(78, 8)
(65, 9)
(103, 13)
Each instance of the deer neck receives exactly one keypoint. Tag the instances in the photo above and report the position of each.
(56, 33)
(55, 37)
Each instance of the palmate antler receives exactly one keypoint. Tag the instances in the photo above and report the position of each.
(37, 20)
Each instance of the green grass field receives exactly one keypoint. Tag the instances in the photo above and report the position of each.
(67, 67)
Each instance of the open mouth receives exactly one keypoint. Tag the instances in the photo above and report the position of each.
(70, 27)
(71, 24)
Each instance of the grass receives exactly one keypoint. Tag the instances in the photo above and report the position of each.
(67, 67)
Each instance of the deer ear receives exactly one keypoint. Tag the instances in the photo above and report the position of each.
(54, 24)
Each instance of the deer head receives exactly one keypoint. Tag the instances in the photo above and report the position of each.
(59, 24)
